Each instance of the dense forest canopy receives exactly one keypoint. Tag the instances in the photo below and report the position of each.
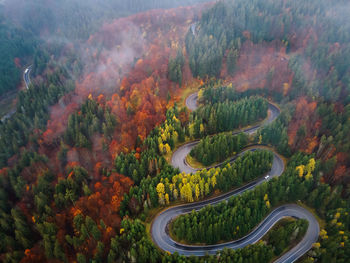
(63, 21)
(85, 158)
(77, 19)
(17, 45)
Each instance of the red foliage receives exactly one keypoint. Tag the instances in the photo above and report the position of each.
(105, 201)
(340, 173)
(304, 115)
(256, 62)
(17, 62)
(135, 93)
(34, 255)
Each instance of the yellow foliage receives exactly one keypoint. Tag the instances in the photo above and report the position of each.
(311, 165)
(160, 188)
(201, 128)
(337, 215)
(167, 148)
(197, 191)
(342, 244)
(175, 194)
(300, 169)
(341, 232)
(163, 137)
(213, 181)
(323, 232)
(317, 245)
(334, 221)
(200, 93)
(285, 88)
(266, 197)
(191, 129)
(161, 148)
(308, 176)
(167, 199)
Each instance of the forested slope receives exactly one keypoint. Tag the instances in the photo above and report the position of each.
(16, 47)
(84, 159)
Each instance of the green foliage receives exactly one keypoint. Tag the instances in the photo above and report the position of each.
(76, 20)
(276, 133)
(93, 118)
(175, 66)
(213, 93)
(286, 233)
(15, 43)
(32, 112)
(227, 116)
(150, 162)
(218, 147)
(68, 190)
(237, 217)
(232, 57)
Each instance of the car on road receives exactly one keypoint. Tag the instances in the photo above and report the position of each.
(267, 177)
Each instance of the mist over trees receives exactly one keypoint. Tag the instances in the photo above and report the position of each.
(85, 158)
(17, 45)
(78, 19)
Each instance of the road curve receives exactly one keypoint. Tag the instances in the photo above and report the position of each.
(191, 101)
(178, 158)
(26, 76)
(159, 228)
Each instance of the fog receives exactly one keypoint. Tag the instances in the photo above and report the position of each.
(77, 19)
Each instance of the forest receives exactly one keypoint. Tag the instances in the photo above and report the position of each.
(227, 116)
(86, 159)
(217, 148)
(17, 45)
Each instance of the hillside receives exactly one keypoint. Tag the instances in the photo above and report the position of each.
(107, 139)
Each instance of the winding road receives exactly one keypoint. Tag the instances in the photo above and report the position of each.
(26, 78)
(159, 228)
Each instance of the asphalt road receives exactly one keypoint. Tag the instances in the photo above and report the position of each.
(178, 158)
(159, 228)
(191, 101)
(26, 76)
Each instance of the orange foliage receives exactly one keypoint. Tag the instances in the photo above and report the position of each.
(114, 81)
(105, 201)
(35, 254)
(304, 115)
(312, 143)
(256, 62)
(340, 172)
